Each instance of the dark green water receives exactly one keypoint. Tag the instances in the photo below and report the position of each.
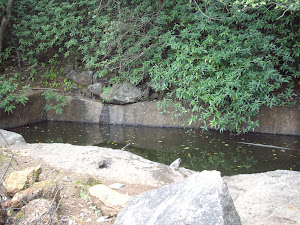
(199, 150)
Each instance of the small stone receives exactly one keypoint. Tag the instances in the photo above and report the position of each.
(175, 164)
(103, 163)
(102, 219)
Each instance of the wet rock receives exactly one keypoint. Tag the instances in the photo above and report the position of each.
(38, 211)
(109, 201)
(9, 138)
(83, 78)
(96, 89)
(47, 189)
(122, 94)
(20, 180)
(266, 198)
(202, 198)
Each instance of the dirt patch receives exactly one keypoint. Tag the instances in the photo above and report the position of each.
(76, 206)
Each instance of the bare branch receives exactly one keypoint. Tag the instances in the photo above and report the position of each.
(204, 13)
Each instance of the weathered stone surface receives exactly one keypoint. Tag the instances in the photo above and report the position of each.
(266, 198)
(38, 211)
(9, 138)
(96, 89)
(202, 198)
(20, 180)
(279, 120)
(125, 167)
(32, 112)
(122, 94)
(141, 113)
(83, 78)
(47, 189)
(78, 110)
(109, 201)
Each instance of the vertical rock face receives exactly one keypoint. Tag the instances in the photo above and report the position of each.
(202, 198)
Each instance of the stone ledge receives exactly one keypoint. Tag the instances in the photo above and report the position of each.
(278, 120)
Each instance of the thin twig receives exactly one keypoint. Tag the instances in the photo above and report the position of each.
(11, 158)
(204, 13)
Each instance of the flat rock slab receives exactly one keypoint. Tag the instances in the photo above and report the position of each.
(200, 199)
(124, 166)
(266, 198)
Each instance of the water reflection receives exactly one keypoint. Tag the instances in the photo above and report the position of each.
(199, 150)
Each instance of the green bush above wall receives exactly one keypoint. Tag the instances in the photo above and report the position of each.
(220, 61)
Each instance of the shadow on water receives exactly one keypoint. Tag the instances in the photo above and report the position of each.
(198, 149)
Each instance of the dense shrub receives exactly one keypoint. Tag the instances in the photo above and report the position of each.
(11, 94)
(220, 61)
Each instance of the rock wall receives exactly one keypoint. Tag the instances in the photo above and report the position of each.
(32, 112)
(278, 120)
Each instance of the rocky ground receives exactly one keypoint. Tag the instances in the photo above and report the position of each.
(76, 206)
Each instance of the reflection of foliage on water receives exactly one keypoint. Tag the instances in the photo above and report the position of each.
(229, 163)
(57, 140)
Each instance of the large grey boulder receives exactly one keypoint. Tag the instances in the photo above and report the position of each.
(9, 138)
(122, 94)
(96, 89)
(202, 198)
(83, 78)
(266, 198)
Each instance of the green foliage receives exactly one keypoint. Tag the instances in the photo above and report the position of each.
(220, 61)
(55, 101)
(224, 64)
(11, 94)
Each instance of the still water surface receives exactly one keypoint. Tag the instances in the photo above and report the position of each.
(198, 149)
